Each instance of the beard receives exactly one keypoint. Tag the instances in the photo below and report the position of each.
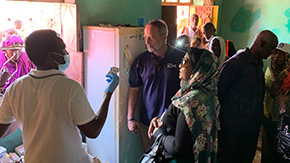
(154, 48)
(150, 49)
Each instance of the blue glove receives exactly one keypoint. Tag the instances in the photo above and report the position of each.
(113, 81)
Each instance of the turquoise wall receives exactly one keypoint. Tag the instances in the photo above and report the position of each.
(197, 2)
(12, 141)
(93, 12)
(241, 20)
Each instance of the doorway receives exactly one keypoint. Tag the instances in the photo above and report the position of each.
(169, 15)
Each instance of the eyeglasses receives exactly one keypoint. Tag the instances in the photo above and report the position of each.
(183, 62)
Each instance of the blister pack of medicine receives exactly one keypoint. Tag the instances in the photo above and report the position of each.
(113, 71)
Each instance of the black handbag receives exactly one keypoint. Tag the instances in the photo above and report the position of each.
(283, 137)
(155, 153)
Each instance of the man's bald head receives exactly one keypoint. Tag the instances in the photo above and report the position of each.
(264, 43)
(267, 36)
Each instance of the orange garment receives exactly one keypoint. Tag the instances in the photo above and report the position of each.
(187, 31)
(227, 48)
(206, 46)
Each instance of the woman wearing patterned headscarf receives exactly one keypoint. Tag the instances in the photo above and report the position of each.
(14, 62)
(191, 125)
(275, 74)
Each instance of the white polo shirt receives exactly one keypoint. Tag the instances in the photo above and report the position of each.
(47, 107)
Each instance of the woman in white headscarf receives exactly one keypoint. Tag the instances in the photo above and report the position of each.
(218, 47)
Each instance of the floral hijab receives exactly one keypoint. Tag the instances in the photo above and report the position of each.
(204, 78)
(197, 99)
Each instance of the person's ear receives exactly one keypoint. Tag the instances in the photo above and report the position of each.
(164, 37)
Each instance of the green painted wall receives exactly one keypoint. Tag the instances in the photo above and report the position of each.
(241, 20)
(197, 2)
(95, 12)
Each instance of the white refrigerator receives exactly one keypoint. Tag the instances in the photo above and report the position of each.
(105, 47)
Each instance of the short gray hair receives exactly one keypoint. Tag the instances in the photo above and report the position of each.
(161, 25)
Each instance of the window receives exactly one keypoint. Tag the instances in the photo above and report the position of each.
(176, 2)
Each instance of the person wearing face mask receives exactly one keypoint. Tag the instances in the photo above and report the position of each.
(13, 60)
(51, 109)
(63, 67)
(190, 125)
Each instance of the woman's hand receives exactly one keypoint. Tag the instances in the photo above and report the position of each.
(154, 125)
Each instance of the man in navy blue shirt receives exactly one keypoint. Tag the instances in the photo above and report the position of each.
(241, 90)
(156, 72)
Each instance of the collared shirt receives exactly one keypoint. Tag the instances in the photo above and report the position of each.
(47, 107)
(159, 78)
(241, 90)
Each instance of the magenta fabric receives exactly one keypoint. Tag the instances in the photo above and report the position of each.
(11, 40)
(24, 66)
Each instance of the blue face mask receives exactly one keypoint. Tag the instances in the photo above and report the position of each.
(63, 67)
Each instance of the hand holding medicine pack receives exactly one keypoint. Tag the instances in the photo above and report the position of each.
(113, 79)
